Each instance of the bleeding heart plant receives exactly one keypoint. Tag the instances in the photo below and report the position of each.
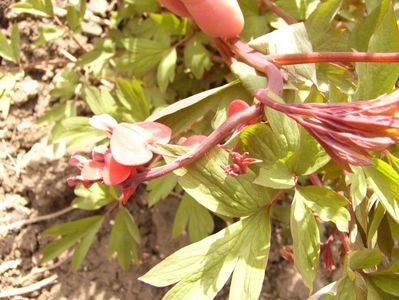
(285, 149)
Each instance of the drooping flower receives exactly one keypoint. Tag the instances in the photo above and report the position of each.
(347, 131)
(132, 144)
(240, 163)
(327, 255)
(102, 167)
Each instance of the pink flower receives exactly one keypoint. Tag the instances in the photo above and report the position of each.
(347, 131)
(237, 106)
(240, 163)
(327, 255)
(132, 144)
(192, 141)
(103, 167)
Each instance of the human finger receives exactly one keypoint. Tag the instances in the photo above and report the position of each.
(177, 7)
(217, 18)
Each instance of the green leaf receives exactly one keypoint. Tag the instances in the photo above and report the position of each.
(42, 8)
(298, 9)
(100, 100)
(124, 239)
(207, 183)
(346, 289)
(388, 282)
(384, 181)
(171, 23)
(249, 77)
(160, 188)
(96, 60)
(15, 42)
(336, 75)
(7, 84)
(289, 39)
(196, 57)
(385, 241)
(358, 183)
(286, 149)
(95, 197)
(378, 79)
(365, 258)
(144, 5)
(374, 225)
(327, 204)
(201, 269)
(81, 231)
(75, 14)
(256, 23)
(277, 177)
(59, 112)
(166, 69)
(316, 157)
(84, 245)
(132, 97)
(65, 84)
(48, 33)
(364, 28)
(319, 22)
(76, 133)
(142, 55)
(6, 50)
(306, 240)
(195, 217)
(248, 276)
(182, 114)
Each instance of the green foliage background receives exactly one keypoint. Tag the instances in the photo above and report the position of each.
(149, 59)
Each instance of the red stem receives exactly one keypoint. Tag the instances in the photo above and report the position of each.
(329, 57)
(212, 140)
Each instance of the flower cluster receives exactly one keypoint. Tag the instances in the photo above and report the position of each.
(347, 131)
(131, 147)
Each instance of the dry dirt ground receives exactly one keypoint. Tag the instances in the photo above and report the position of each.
(33, 183)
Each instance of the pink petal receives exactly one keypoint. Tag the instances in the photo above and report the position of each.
(92, 170)
(193, 140)
(159, 133)
(237, 106)
(98, 152)
(127, 192)
(77, 161)
(128, 147)
(115, 173)
(103, 122)
(74, 180)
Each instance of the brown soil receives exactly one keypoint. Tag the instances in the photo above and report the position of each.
(33, 183)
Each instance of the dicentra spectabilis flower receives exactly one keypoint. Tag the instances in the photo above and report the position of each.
(327, 255)
(348, 131)
(132, 144)
(102, 167)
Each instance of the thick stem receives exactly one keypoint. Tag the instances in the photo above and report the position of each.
(329, 57)
(211, 141)
(259, 62)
